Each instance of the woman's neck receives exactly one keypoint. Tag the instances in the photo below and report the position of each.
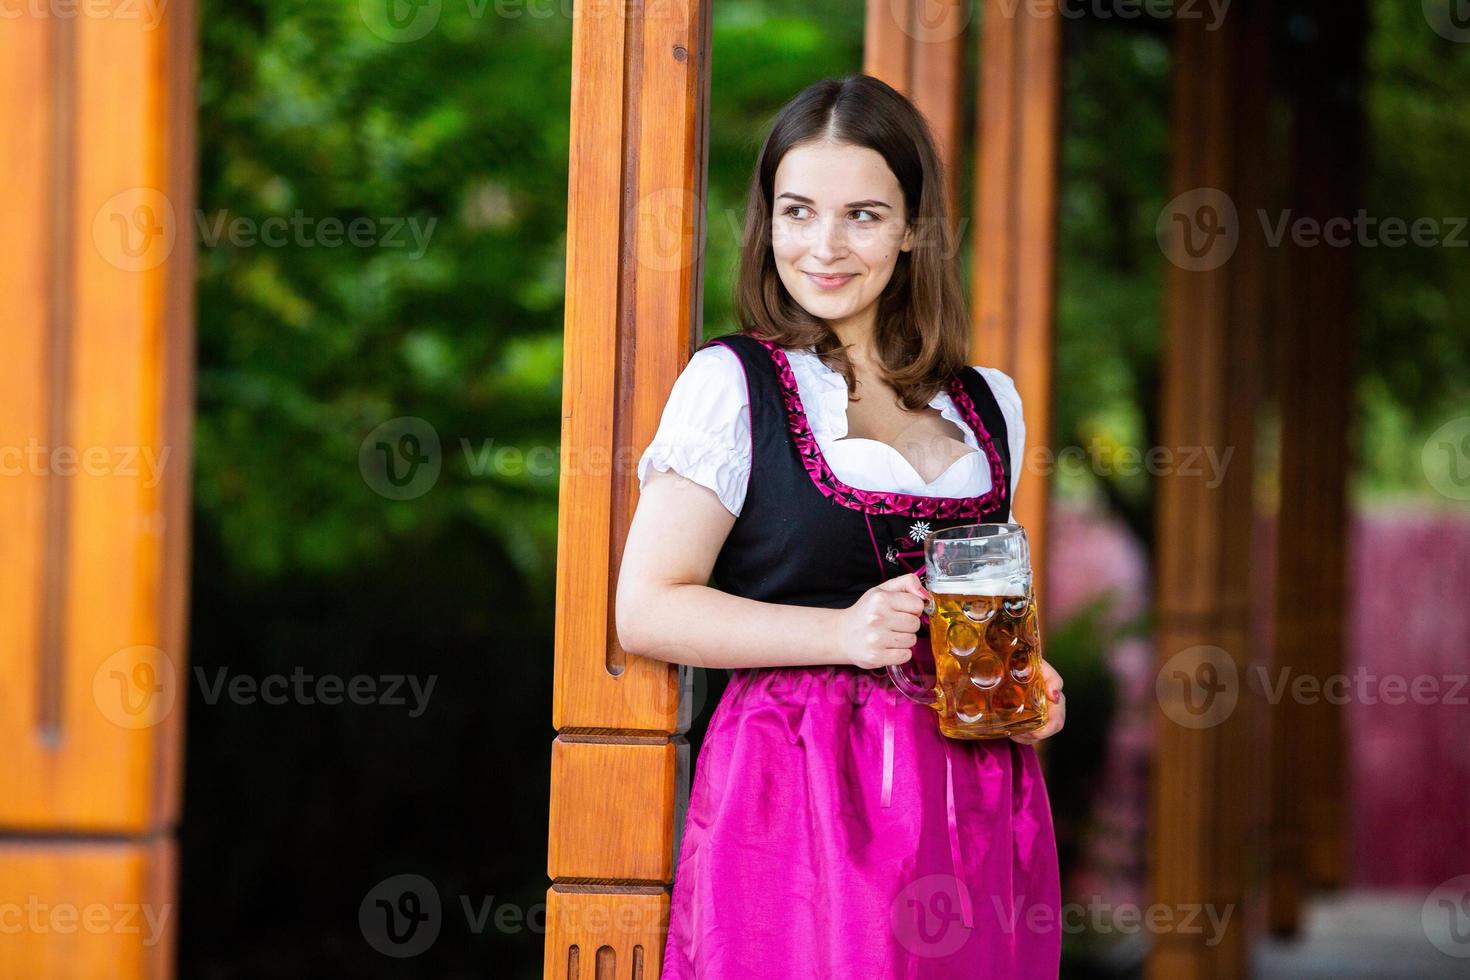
(856, 335)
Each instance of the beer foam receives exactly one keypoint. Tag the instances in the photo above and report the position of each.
(989, 584)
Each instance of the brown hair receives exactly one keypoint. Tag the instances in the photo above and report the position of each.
(921, 333)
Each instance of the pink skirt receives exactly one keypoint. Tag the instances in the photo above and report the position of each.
(832, 831)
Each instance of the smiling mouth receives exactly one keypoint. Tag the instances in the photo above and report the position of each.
(832, 281)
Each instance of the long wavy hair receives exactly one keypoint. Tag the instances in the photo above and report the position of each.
(922, 334)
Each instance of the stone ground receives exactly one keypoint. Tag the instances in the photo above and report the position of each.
(1361, 935)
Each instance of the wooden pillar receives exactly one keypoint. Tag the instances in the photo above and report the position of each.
(1013, 233)
(1206, 778)
(96, 392)
(635, 228)
(1309, 805)
(918, 47)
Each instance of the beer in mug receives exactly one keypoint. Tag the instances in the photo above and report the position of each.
(983, 634)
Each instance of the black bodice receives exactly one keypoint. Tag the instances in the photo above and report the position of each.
(804, 537)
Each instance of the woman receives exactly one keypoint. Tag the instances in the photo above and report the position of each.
(832, 831)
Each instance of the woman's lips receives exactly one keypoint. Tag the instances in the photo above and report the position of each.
(831, 282)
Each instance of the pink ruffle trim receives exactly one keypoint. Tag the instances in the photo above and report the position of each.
(879, 501)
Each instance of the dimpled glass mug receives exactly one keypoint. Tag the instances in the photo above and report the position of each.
(982, 632)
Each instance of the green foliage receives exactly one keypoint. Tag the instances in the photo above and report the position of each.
(452, 150)
(1417, 346)
(1414, 370)
(1413, 350)
(1075, 756)
(1109, 267)
(462, 135)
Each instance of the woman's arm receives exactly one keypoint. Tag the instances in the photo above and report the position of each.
(666, 610)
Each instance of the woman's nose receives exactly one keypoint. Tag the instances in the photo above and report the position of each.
(830, 240)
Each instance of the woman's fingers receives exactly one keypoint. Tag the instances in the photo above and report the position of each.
(1053, 682)
(1056, 717)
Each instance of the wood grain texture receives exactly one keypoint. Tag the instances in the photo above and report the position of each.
(635, 237)
(919, 48)
(96, 400)
(634, 227)
(95, 403)
(1206, 790)
(82, 910)
(600, 826)
(886, 47)
(1317, 326)
(1013, 230)
(592, 935)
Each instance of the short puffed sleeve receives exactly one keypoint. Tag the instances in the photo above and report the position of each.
(704, 432)
(1009, 400)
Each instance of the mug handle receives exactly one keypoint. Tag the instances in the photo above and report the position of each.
(914, 692)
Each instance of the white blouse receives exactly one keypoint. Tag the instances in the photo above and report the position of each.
(704, 432)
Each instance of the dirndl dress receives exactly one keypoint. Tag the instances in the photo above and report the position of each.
(831, 830)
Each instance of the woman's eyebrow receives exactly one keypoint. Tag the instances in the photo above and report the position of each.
(851, 204)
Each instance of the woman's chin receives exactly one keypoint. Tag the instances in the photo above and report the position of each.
(826, 307)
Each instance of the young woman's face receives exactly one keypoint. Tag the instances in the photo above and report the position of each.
(837, 225)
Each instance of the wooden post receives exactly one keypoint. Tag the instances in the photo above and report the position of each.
(96, 392)
(918, 47)
(1206, 779)
(1013, 271)
(635, 228)
(1309, 839)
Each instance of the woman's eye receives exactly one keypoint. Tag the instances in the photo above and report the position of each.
(791, 212)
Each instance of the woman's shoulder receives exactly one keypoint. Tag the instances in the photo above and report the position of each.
(715, 364)
(704, 432)
(1009, 399)
(712, 384)
(1002, 386)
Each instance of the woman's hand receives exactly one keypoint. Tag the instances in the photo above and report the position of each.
(882, 627)
(1056, 714)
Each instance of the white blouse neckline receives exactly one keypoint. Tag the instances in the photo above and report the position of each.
(705, 433)
(826, 387)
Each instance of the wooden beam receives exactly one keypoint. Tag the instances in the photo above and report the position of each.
(89, 908)
(1013, 272)
(1319, 310)
(635, 230)
(886, 48)
(96, 397)
(918, 47)
(1203, 791)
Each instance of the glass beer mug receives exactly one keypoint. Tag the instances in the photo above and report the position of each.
(983, 634)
